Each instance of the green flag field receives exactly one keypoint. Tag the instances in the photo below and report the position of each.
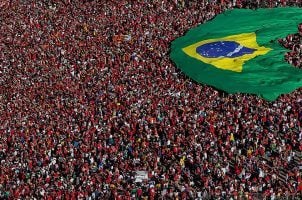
(238, 52)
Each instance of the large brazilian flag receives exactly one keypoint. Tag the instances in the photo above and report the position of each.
(238, 51)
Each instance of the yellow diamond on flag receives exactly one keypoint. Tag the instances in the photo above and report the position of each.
(228, 53)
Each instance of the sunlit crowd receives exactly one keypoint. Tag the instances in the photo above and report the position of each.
(89, 97)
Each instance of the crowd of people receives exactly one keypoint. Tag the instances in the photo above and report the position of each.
(293, 42)
(89, 96)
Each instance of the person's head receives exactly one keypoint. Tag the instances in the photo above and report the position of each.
(300, 29)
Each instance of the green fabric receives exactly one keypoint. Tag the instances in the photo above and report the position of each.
(266, 75)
